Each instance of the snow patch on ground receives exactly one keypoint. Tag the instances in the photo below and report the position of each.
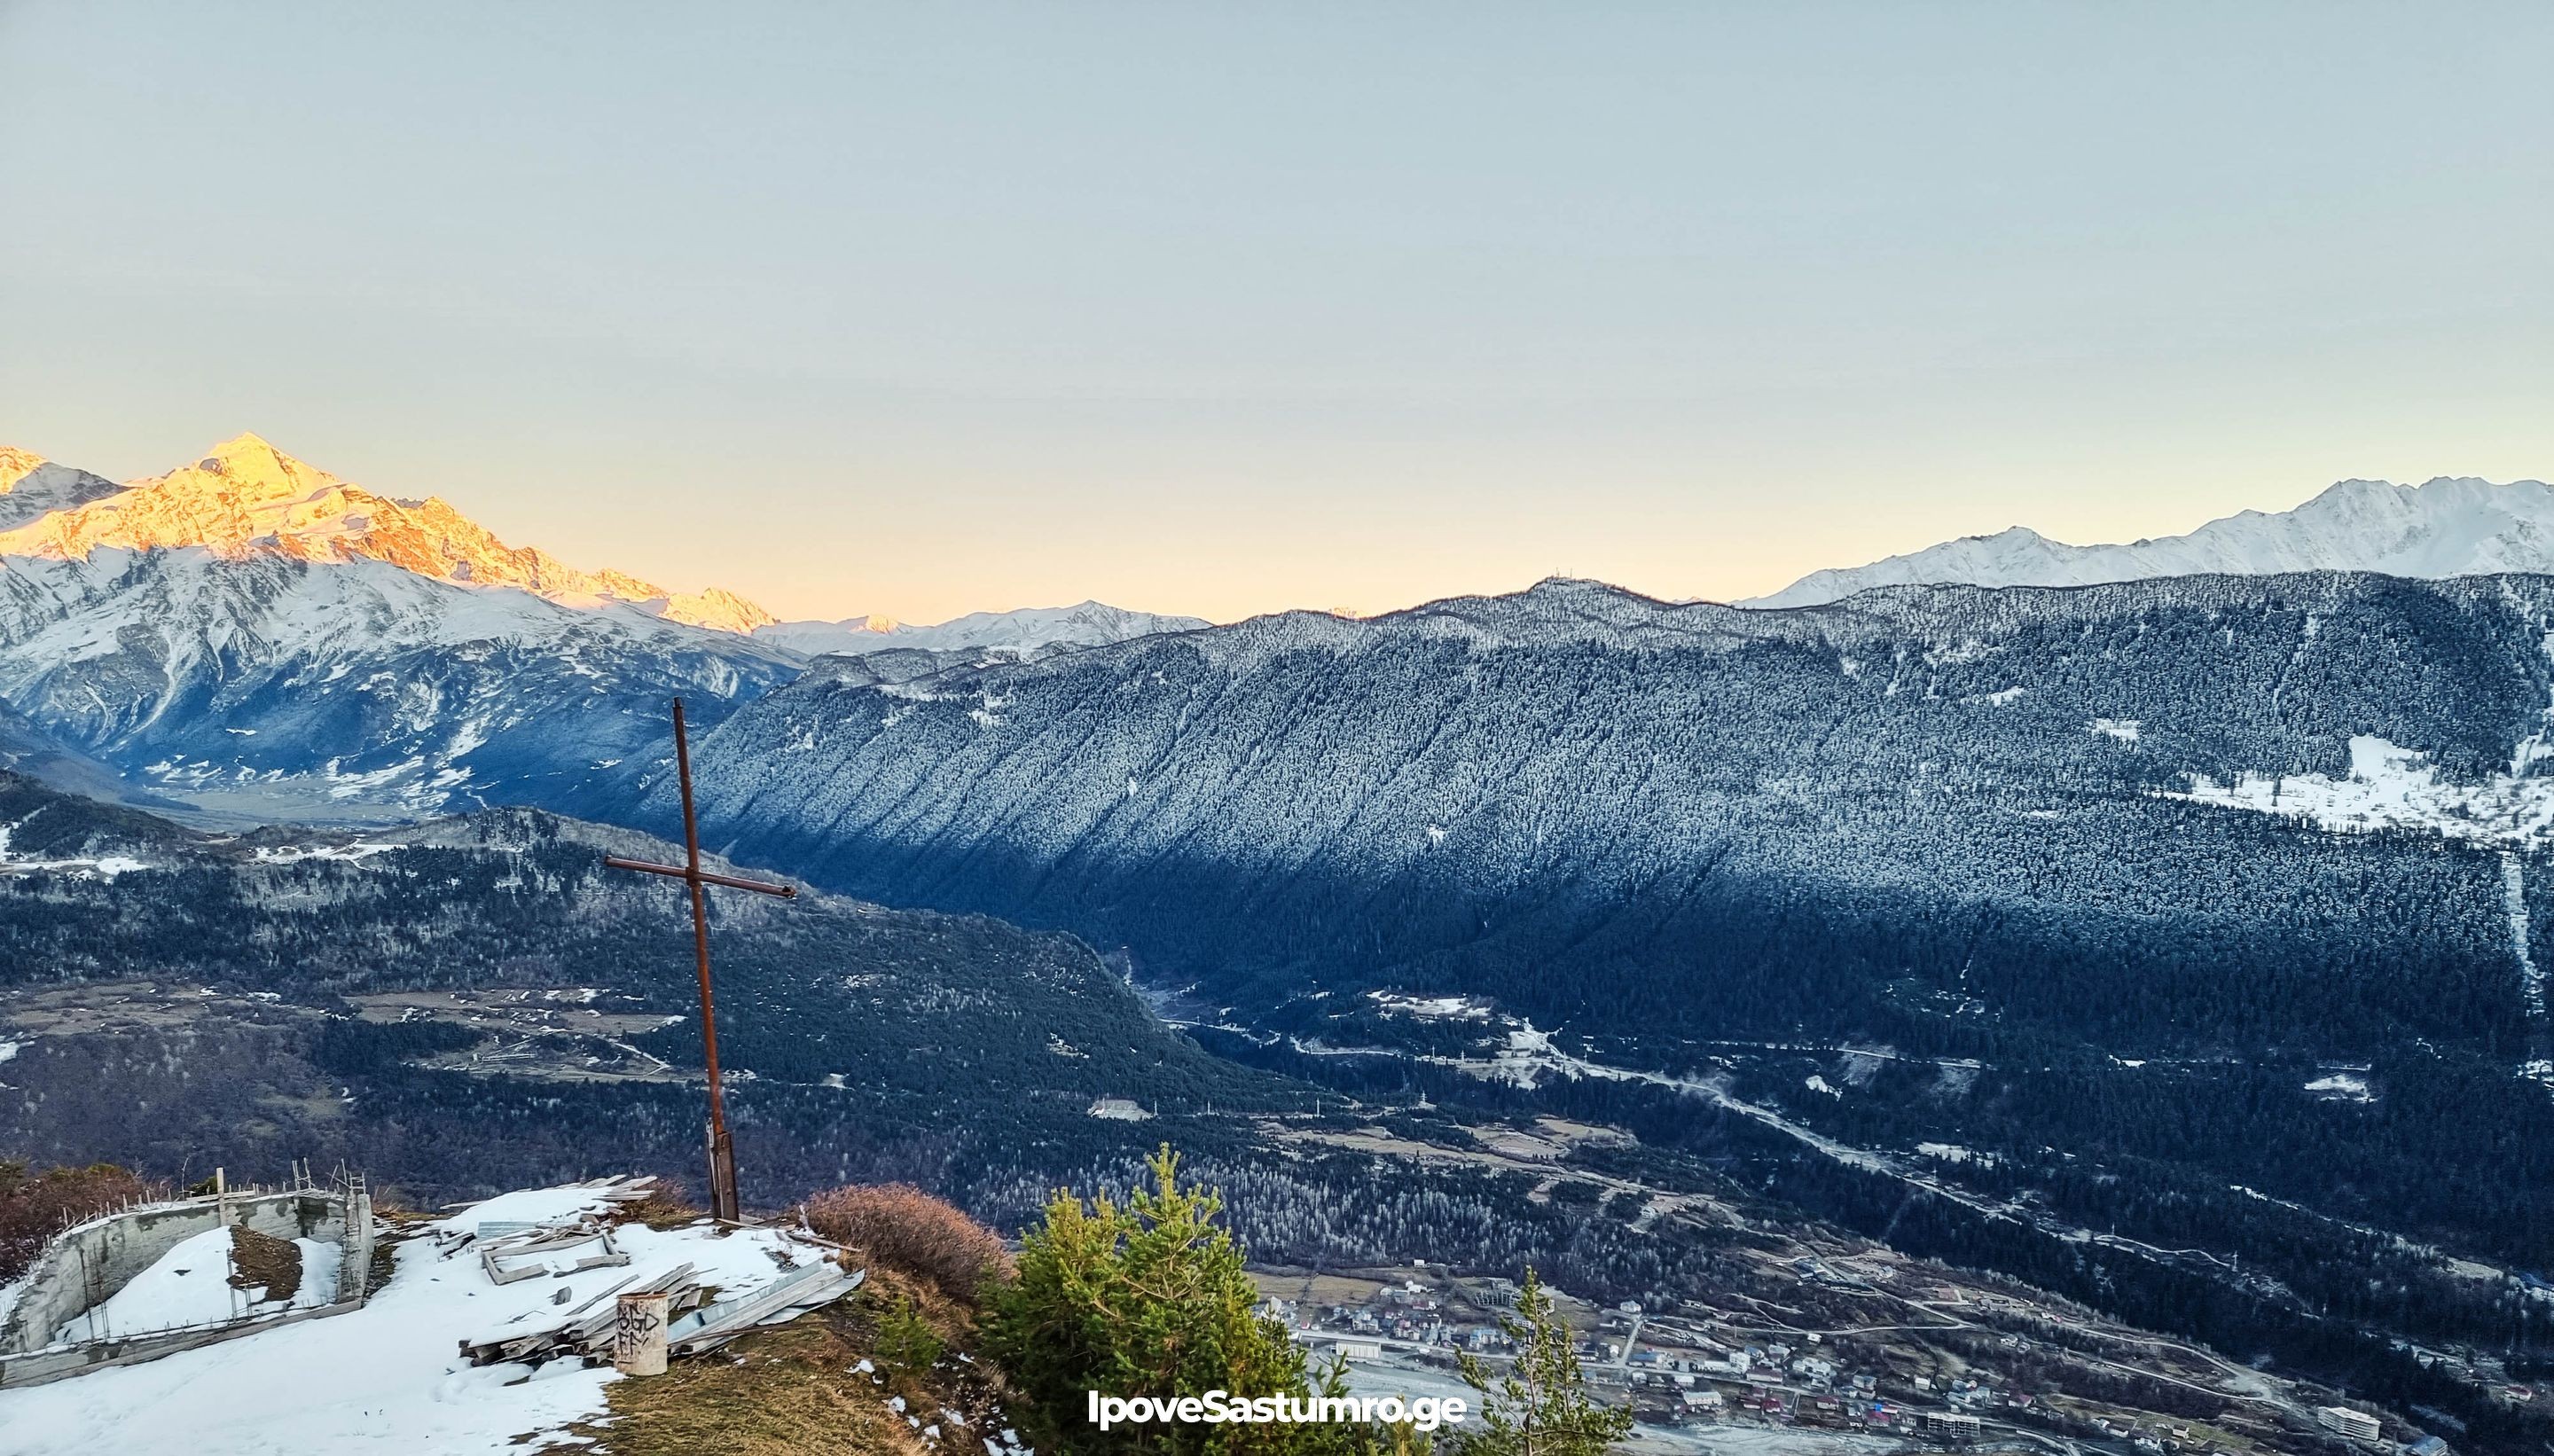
(104, 866)
(2122, 728)
(1454, 1008)
(191, 1286)
(1522, 1063)
(288, 854)
(2394, 788)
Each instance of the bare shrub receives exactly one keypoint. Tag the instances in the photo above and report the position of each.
(33, 1206)
(908, 1230)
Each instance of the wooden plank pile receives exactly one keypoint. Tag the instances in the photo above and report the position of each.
(586, 1329)
(510, 1250)
(809, 1287)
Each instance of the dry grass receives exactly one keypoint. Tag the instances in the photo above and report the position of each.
(780, 1391)
(663, 1208)
(794, 1390)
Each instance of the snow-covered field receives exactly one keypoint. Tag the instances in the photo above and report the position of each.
(1434, 1008)
(2396, 788)
(388, 1377)
(106, 867)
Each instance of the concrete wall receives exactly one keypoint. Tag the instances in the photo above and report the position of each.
(83, 1267)
(43, 1366)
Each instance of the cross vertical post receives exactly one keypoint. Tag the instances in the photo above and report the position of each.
(724, 1204)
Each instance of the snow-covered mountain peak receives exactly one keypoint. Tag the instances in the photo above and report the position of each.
(15, 465)
(250, 464)
(31, 486)
(247, 498)
(2444, 527)
(716, 608)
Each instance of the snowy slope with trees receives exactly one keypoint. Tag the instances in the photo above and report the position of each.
(1956, 824)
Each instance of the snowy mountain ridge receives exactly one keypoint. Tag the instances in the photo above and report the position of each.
(261, 636)
(2450, 526)
(1027, 629)
(354, 681)
(245, 497)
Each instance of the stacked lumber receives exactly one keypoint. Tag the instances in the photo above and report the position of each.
(585, 1330)
(809, 1287)
(525, 1246)
(812, 1277)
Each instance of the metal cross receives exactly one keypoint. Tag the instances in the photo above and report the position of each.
(723, 1200)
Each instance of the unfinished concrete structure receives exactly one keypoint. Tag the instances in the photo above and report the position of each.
(82, 1267)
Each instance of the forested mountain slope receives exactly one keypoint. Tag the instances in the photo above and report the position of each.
(468, 1001)
(2268, 824)
(1706, 818)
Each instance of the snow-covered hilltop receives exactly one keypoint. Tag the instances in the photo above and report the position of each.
(2446, 528)
(247, 498)
(403, 1364)
(1029, 630)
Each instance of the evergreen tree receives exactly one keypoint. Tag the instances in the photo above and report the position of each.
(1147, 1297)
(1540, 1407)
(905, 1339)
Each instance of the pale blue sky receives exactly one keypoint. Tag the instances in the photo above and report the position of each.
(1220, 308)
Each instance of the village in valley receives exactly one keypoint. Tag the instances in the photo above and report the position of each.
(1826, 1344)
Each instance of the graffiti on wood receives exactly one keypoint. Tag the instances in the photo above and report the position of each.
(638, 1334)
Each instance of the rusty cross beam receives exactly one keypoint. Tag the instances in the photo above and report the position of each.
(722, 1198)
